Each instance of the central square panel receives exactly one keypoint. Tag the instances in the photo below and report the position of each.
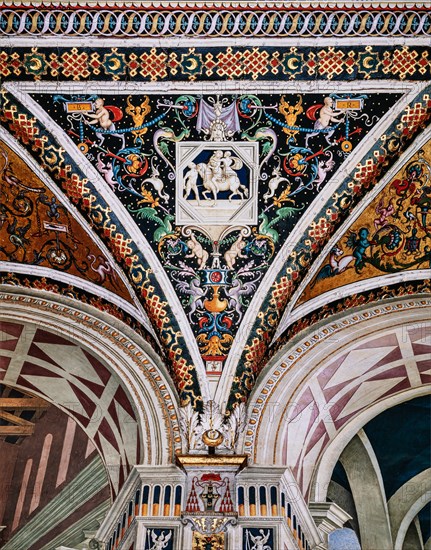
(216, 183)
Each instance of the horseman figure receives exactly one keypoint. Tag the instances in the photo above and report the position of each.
(220, 175)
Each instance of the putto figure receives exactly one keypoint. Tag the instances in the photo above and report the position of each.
(234, 252)
(326, 115)
(259, 541)
(102, 118)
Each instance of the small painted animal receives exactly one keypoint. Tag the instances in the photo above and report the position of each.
(103, 269)
(323, 168)
(274, 182)
(337, 264)
(266, 226)
(156, 182)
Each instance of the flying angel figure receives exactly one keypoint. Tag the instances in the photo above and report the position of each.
(259, 541)
(160, 542)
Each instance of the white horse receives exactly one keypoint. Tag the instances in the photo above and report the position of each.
(215, 185)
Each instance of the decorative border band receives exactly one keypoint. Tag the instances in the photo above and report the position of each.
(215, 63)
(55, 286)
(251, 22)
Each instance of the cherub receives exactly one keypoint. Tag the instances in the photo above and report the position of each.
(359, 243)
(102, 117)
(197, 251)
(234, 252)
(383, 213)
(291, 113)
(138, 114)
(326, 115)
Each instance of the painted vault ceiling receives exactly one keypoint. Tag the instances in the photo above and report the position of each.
(215, 198)
(200, 187)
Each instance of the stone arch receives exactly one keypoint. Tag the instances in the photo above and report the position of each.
(406, 503)
(95, 369)
(321, 389)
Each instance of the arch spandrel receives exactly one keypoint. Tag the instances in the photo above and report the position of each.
(397, 238)
(319, 293)
(242, 249)
(38, 229)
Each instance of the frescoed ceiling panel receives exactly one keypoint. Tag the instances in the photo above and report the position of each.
(216, 183)
(375, 369)
(391, 235)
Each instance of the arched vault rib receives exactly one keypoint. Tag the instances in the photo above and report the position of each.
(125, 240)
(304, 247)
(365, 479)
(406, 503)
(77, 282)
(345, 291)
